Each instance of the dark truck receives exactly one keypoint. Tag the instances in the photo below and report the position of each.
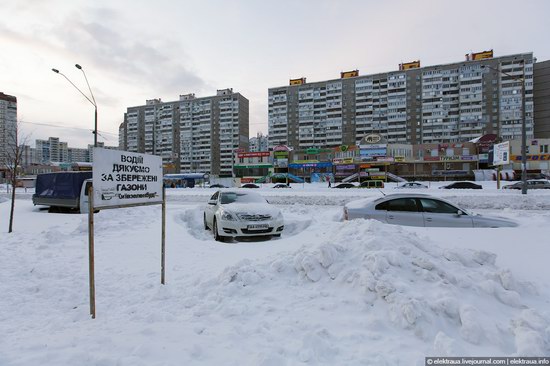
(63, 191)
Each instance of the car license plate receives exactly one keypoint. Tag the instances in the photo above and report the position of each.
(258, 227)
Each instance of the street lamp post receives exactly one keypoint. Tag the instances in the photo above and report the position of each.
(92, 101)
(523, 128)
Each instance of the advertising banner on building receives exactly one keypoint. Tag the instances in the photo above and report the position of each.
(501, 153)
(280, 163)
(409, 65)
(122, 178)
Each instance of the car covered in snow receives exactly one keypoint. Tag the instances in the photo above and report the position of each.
(412, 185)
(281, 185)
(250, 185)
(234, 213)
(419, 210)
(531, 184)
(462, 185)
(344, 185)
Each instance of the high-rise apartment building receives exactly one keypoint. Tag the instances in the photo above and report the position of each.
(8, 127)
(52, 150)
(258, 143)
(542, 99)
(191, 134)
(443, 103)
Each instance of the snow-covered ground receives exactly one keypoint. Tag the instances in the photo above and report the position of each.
(326, 293)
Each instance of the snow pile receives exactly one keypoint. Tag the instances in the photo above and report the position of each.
(452, 302)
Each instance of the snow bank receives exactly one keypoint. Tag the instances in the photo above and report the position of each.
(454, 302)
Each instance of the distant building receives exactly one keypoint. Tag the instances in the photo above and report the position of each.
(191, 134)
(52, 150)
(542, 99)
(258, 143)
(122, 136)
(8, 127)
(416, 105)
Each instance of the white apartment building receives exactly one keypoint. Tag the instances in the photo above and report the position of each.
(435, 104)
(192, 134)
(8, 127)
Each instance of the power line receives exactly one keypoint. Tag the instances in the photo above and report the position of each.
(69, 127)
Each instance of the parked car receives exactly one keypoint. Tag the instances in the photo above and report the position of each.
(231, 213)
(344, 185)
(531, 184)
(412, 185)
(250, 185)
(372, 184)
(462, 185)
(419, 210)
(217, 186)
(281, 185)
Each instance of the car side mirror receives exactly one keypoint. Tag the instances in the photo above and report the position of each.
(459, 213)
(213, 202)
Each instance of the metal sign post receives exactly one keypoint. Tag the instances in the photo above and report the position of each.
(163, 237)
(91, 249)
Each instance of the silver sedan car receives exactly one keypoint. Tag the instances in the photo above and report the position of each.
(419, 210)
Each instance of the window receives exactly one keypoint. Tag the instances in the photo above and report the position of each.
(403, 204)
(214, 197)
(436, 206)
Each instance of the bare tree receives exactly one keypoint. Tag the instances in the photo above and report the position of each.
(14, 149)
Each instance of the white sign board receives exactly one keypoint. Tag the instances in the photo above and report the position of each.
(122, 178)
(501, 153)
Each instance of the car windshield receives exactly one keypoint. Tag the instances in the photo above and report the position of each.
(239, 197)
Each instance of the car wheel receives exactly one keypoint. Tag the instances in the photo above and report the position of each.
(205, 224)
(217, 236)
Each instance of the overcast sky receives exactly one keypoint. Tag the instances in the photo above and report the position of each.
(133, 50)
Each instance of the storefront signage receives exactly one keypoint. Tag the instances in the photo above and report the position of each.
(257, 154)
(304, 161)
(343, 161)
(345, 167)
(385, 159)
(449, 158)
(372, 138)
(280, 154)
(431, 158)
(373, 146)
(251, 166)
(295, 165)
(377, 176)
(450, 172)
(538, 157)
(373, 152)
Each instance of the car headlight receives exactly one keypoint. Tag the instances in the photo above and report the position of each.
(227, 216)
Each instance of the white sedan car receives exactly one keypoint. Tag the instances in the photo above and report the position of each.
(231, 213)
